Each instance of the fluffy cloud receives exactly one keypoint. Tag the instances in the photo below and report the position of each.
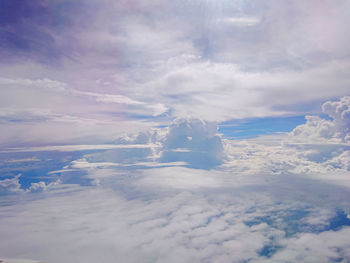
(263, 200)
(41, 186)
(318, 129)
(167, 214)
(339, 111)
(341, 161)
(316, 147)
(10, 186)
(193, 141)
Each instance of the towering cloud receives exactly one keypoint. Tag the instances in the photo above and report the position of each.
(336, 129)
(195, 142)
(340, 112)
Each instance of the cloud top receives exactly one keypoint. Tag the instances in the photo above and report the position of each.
(337, 129)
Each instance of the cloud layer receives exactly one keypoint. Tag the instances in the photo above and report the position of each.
(109, 115)
(265, 199)
(102, 62)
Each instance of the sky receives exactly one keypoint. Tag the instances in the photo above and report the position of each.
(153, 131)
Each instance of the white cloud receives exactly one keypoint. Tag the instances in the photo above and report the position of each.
(41, 186)
(10, 186)
(73, 148)
(39, 83)
(29, 129)
(196, 60)
(341, 161)
(330, 246)
(264, 203)
(339, 111)
(193, 87)
(182, 59)
(319, 146)
(23, 160)
(11, 260)
(335, 130)
(167, 214)
(65, 114)
(242, 21)
(203, 150)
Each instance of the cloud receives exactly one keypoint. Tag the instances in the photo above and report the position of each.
(11, 260)
(341, 161)
(242, 21)
(39, 83)
(316, 247)
(74, 148)
(318, 129)
(64, 89)
(100, 69)
(23, 160)
(167, 214)
(41, 186)
(319, 146)
(193, 141)
(212, 91)
(339, 111)
(43, 102)
(158, 61)
(263, 200)
(10, 186)
(13, 186)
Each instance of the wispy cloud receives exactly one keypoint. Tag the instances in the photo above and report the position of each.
(242, 21)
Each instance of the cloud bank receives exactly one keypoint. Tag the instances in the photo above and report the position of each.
(265, 199)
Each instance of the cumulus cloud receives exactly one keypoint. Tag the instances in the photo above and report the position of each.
(41, 186)
(13, 186)
(193, 141)
(339, 111)
(319, 146)
(341, 161)
(318, 129)
(10, 186)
